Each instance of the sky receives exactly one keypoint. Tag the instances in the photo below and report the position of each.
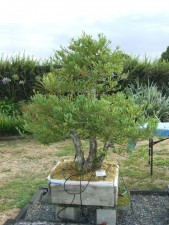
(39, 27)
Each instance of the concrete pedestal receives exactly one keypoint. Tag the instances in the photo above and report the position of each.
(102, 196)
(100, 216)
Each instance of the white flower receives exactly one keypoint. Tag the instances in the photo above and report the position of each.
(15, 77)
(6, 80)
(22, 82)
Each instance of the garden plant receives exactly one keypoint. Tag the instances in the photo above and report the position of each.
(18, 76)
(156, 104)
(10, 118)
(81, 100)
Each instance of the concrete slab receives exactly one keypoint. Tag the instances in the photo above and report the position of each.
(66, 213)
(106, 216)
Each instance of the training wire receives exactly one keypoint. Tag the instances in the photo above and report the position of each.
(74, 194)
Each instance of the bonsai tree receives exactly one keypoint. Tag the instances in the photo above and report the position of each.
(81, 100)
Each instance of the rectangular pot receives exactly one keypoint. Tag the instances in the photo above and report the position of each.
(101, 193)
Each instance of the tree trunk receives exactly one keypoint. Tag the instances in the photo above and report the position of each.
(90, 161)
(102, 156)
(79, 154)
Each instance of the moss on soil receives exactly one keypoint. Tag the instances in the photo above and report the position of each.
(123, 200)
(67, 170)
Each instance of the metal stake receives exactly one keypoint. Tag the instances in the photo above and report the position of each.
(151, 143)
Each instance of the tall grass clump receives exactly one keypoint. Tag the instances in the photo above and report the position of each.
(166, 89)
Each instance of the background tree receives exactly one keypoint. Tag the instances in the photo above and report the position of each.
(165, 55)
(146, 70)
(75, 103)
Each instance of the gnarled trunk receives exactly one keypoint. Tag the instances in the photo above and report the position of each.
(79, 155)
(102, 156)
(90, 161)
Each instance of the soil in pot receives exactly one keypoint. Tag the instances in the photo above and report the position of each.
(67, 170)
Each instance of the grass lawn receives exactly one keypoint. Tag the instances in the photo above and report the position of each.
(25, 164)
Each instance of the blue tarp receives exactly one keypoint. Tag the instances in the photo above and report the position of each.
(162, 130)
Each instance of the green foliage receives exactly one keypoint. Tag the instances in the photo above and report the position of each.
(10, 120)
(159, 73)
(166, 90)
(9, 108)
(137, 68)
(77, 100)
(156, 71)
(18, 76)
(88, 67)
(113, 117)
(165, 55)
(10, 125)
(155, 104)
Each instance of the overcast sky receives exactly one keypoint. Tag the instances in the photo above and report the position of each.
(38, 27)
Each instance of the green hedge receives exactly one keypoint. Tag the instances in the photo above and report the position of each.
(18, 76)
(156, 71)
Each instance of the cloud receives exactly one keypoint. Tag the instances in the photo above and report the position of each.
(67, 12)
(139, 34)
(39, 27)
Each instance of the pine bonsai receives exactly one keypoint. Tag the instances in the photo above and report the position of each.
(81, 100)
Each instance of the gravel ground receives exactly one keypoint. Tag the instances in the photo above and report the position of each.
(143, 210)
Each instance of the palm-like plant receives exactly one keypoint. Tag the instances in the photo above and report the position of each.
(155, 103)
(166, 89)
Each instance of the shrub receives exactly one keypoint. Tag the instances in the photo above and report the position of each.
(10, 125)
(9, 108)
(10, 120)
